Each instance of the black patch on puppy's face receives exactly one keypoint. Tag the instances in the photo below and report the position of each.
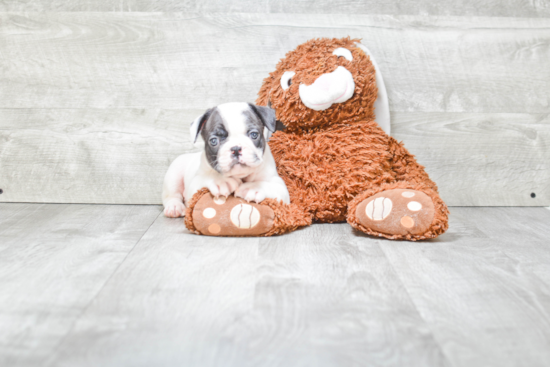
(266, 116)
(255, 130)
(260, 118)
(214, 131)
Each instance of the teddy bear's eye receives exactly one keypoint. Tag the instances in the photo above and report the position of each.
(340, 51)
(286, 79)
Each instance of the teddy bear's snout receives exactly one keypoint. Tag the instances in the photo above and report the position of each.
(335, 87)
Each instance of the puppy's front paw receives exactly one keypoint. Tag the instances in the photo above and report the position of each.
(251, 191)
(224, 186)
(174, 208)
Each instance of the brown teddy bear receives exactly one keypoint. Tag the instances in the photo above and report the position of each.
(337, 162)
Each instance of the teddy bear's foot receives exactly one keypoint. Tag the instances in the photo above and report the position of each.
(398, 212)
(235, 217)
(231, 216)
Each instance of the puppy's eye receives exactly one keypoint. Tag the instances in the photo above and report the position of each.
(286, 79)
(254, 135)
(213, 141)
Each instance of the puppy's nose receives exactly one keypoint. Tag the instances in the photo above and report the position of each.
(236, 151)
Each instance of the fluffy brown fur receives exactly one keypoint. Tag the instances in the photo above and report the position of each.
(288, 218)
(331, 160)
(188, 219)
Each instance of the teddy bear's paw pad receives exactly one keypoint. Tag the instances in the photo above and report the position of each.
(397, 211)
(231, 216)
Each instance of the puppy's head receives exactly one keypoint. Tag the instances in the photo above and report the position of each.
(235, 136)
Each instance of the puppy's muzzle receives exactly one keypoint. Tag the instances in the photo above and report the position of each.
(236, 151)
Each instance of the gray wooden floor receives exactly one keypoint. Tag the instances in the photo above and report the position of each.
(107, 285)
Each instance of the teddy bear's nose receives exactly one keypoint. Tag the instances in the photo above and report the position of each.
(329, 88)
(323, 83)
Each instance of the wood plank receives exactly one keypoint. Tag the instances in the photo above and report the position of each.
(184, 60)
(481, 159)
(12, 213)
(317, 297)
(434, 67)
(523, 225)
(324, 296)
(116, 156)
(54, 259)
(121, 155)
(484, 292)
(506, 8)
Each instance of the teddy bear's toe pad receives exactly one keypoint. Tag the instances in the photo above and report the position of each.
(397, 212)
(231, 216)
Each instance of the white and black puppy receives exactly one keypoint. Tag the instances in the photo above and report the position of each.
(236, 158)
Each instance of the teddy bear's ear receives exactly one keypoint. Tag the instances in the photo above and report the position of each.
(381, 106)
(198, 124)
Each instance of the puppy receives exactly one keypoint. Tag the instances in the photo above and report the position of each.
(236, 159)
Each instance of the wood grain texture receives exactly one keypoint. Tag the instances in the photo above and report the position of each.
(175, 60)
(78, 291)
(484, 287)
(54, 259)
(318, 297)
(481, 159)
(121, 155)
(116, 156)
(94, 106)
(501, 8)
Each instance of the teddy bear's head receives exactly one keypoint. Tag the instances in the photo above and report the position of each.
(321, 83)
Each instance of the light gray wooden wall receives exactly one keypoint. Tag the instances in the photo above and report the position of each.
(96, 96)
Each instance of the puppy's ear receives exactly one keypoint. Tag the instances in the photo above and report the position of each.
(266, 114)
(198, 124)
